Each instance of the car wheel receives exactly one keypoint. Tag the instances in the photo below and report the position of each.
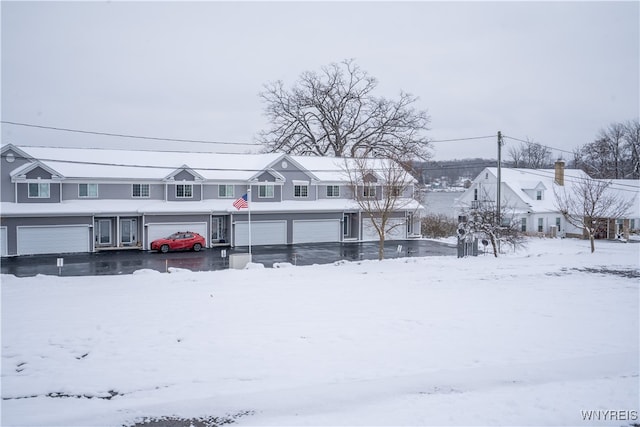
(164, 249)
(197, 247)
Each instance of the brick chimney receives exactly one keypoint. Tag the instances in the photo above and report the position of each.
(559, 166)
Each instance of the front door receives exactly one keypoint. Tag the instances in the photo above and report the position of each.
(217, 229)
(103, 231)
(128, 231)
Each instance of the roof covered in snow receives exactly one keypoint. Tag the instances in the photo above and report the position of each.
(93, 163)
(521, 180)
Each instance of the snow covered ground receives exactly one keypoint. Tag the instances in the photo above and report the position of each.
(539, 337)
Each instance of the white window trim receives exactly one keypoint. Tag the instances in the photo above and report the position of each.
(369, 195)
(185, 186)
(227, 194)
(88, 196)
(334, 187)
(300, 186)
(39, 196)
(266, 187)
(141, 196)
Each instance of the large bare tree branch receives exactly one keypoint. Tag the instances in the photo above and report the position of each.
(335, 113)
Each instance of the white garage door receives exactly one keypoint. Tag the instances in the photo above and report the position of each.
(313, 231)
(161, 230)
(3, 241)
(262, 233)
(398, 232)
(53, 239)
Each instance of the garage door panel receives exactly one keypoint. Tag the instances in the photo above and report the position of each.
(399, 232)
(53, 239)
(316, 231)
(262, 233)
(160, 231)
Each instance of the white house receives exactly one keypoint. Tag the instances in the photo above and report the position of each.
(529, 198)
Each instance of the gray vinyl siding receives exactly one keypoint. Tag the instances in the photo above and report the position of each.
(196, 192)
(7, 188)
(23, 194)
(183, 176)
(291, 173)
(287, 189)
(38, 173)
(211, 191)
(113, 192)
(277, 194)
(13, 222)
(152, 219)
(345, 192)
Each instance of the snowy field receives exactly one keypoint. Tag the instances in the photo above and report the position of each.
(546, 336)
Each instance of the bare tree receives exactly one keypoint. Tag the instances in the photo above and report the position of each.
(383, 189)
(530, 155)
(597, 160)
(480, 219)
(334, 113)
(588, 202)
(613, 154)
(632, 148)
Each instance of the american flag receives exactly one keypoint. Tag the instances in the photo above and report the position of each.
(241, 202)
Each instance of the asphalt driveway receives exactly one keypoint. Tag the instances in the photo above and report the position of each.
(128, 261)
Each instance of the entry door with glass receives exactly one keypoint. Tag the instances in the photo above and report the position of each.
(128, 231)
(103, 231)
(217, 229)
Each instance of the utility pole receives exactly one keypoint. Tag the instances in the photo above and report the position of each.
(499, 178)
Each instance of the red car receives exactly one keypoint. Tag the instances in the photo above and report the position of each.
(180, 241)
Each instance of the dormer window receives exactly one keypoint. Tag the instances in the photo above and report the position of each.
(538, 194)
(368, 191)
(265, 191)
(39, 190)
(184, 191)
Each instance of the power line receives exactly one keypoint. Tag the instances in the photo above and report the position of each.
(462, 139)
(546, 146)
(151, 138)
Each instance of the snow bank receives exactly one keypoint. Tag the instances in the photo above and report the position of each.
(534, 337)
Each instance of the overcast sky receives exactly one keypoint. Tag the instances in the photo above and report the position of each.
(552, 72)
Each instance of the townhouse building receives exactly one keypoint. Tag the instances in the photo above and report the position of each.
(65, 200)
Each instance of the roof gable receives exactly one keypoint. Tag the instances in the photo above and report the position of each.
(285, 163)
(178, 175)
(12, 149)
(21, 172)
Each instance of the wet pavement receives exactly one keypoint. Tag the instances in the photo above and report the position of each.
(128, 261)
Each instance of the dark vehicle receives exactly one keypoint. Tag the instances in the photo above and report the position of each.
(180, 241)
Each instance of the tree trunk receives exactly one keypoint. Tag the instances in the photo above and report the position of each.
(381, 248)
(592, 240)
(494, 244)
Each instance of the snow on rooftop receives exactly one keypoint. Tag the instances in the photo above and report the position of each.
(104, 163)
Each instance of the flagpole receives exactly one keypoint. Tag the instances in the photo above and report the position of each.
(249, 213)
